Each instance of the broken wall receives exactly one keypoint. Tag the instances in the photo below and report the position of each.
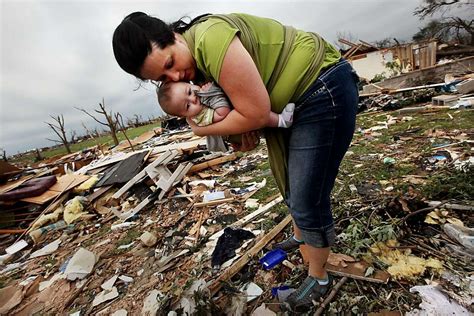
(434, 74)
(370, 64)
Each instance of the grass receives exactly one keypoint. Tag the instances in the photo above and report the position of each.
(103, 140)
(130, 236)
(450, 185)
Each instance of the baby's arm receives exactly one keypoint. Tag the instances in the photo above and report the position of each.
(220, 113)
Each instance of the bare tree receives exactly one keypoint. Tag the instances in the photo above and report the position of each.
(4, 154)
(119, 120)
(90, 133)
(73, 138)
(111, 123)
(455, 26)
(59, 129)
(38, 156)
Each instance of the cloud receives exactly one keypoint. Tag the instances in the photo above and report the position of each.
(58, 55)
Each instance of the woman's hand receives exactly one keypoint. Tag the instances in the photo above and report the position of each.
(197, 130)
(250, 140)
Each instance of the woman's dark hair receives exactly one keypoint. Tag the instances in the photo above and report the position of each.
(133, 38)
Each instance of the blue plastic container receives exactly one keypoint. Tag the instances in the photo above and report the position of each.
(272, 258)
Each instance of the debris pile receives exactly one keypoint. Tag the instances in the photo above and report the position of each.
(169, 228)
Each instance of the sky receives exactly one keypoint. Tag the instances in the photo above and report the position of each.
(57, 55)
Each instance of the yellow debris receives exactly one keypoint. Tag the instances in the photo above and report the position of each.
(73, 210)
(402, 263)
(87, 184)
(48, 218)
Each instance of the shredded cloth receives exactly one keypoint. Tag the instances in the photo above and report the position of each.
(227, 243)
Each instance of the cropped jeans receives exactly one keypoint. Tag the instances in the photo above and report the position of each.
(323, 126)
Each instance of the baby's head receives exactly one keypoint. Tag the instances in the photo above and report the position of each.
(179, 99)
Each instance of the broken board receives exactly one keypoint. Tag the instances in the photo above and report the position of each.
(65, 183)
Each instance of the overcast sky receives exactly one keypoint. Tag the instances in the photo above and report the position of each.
(57, 55)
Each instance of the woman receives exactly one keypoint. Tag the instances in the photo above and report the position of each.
(262, 65)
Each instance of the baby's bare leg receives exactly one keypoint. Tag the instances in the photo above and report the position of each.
(273, 121)
(283, 120)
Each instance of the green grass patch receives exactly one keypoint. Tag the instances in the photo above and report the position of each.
(130, 236)
(103, 140)
(450, 185)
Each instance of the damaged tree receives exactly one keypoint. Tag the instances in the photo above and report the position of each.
(111, 122)
(119, 121)
(3, 154)
(60, 131)
(447, 27)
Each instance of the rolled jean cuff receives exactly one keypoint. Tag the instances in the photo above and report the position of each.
(320, 237)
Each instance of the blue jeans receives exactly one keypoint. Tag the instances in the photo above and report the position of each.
(323, 126)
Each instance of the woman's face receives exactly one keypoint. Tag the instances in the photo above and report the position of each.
(172, 63)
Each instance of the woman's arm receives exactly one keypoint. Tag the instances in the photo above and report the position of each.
(241, 81)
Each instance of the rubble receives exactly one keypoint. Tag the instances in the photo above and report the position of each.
(144, 242)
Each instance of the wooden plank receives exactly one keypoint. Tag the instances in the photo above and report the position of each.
(64, 183)
(213, 162)
(215, 202)
(94, 195)
(215, 286)
(260, 211)
(356, 270)
(178, 174)
(180, 146)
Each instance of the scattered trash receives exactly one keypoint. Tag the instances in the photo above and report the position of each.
(148, 239)
(213, 196)
(47, 250)
(109, 284)
(463, 235)
(120, 312)
(151, 304)
(272, 258)
(18, 246)
(10, 297)
(104, 296)
(262, 310)
(80, 265)
(252, 291)
(183, 231)
(227, 243)
(435, 303)
(126, 279)
(282, 292)
(122, 225)
(252, 204)
(126, 246)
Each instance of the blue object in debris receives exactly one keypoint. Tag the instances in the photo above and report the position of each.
(279, 288)
(272, 258)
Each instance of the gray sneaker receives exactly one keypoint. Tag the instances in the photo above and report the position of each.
(288, 245)
(310, 290)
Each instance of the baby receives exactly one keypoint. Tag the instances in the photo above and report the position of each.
(206, 105)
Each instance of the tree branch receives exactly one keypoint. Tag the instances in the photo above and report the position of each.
(430, 7)
(93, 117)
